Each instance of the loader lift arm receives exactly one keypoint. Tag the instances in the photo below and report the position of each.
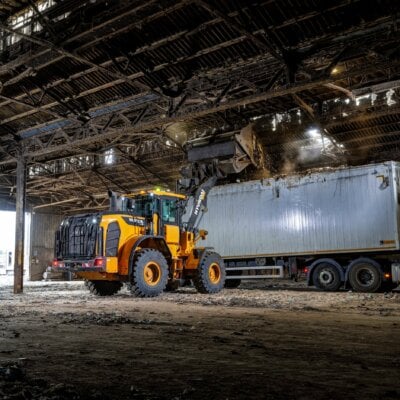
(197, 187)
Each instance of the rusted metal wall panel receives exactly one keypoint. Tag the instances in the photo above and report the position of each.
(43, 227)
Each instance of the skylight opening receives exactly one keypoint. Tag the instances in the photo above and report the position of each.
(26, 22)
(109, 157)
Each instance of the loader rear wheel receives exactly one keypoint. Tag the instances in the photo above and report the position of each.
(149, 273)
(103, 288)
(210, 274)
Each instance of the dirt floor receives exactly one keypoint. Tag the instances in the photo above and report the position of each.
(261, 341)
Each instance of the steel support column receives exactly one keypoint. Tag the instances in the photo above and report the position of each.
(20, 225)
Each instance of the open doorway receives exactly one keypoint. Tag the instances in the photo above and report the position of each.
(7, 246)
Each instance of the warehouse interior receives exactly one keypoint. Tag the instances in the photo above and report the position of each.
(112, 95)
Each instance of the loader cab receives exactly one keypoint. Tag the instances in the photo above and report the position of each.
(163, 211)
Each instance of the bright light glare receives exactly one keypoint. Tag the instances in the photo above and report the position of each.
(314, 133)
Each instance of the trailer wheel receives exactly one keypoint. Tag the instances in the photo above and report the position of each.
(150, 273)
(364, 276)
(210, 274)
(103, 288)
(326, 277)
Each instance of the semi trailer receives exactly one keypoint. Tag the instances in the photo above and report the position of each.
(339, 225)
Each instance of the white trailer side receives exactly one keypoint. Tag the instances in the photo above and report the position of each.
(329, 213)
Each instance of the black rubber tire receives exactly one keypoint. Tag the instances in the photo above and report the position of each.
(104, 288)
(232, 283)
(365, 277)
(326, 277)
(141, 261)
(201, 279)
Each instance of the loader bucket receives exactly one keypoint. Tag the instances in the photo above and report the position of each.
(234, 152)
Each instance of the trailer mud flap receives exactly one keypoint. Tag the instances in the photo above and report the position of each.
(396, 273)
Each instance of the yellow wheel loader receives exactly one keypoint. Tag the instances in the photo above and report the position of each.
(143, 241)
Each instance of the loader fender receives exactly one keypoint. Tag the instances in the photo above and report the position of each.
(320, 261)
(150, 242)
(136, 242)
(196, 257)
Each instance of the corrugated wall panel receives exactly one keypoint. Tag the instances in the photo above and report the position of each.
(351, 209)
(42, 242)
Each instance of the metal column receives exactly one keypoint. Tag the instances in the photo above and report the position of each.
(20, 225)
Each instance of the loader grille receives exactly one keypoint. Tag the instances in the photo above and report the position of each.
(77, 237)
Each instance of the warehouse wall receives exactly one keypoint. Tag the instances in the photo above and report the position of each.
(43, 227)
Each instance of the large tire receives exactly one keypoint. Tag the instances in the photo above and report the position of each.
(365, 276)
(103, 288)
(149, 273)
(210, 274)
(326, 277)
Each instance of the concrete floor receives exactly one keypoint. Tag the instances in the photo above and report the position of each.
(269, 340)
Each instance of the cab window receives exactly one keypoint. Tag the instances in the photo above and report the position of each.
(169, 211)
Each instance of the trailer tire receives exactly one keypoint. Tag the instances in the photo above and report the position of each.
(210, 274)
(326, 277)
(365, 276)
(149, 273)
(103, 288)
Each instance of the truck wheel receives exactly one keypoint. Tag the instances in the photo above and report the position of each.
(365, 277)
(150, 273)
(104, 288)
(326, 277)
(210, 274)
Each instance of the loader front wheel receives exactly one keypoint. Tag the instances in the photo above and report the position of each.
(210, 274)
(149, 273)
(103, 288)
